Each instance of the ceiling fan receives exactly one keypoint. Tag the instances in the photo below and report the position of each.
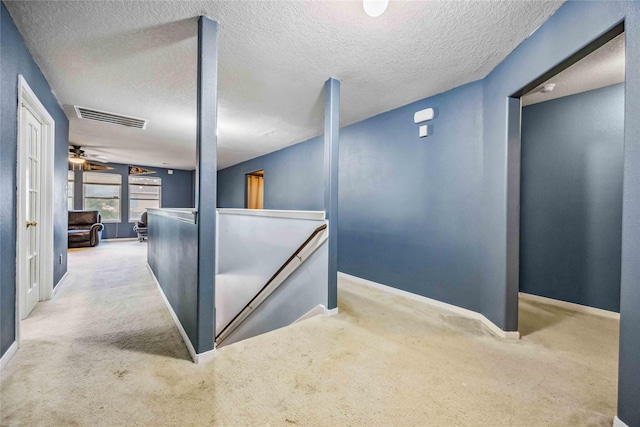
(85, 162)
(78, 156)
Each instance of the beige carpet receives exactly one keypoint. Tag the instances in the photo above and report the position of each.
(105, 352)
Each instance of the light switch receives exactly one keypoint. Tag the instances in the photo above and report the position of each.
(423, 131)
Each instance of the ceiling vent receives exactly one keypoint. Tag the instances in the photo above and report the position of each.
(114, 119)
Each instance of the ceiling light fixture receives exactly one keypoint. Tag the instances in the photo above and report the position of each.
(76, 160)
(375, 8)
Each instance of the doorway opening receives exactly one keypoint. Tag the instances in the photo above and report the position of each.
(566, 138)
(34, 227)
(565, 165)
(255, 190)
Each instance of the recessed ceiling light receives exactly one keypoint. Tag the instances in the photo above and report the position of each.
(375, 8)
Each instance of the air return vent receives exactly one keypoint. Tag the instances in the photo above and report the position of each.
(114, 119)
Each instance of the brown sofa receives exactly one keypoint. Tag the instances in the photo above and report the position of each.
(85, 228)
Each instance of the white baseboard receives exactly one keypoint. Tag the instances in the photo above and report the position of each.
(196, 357)
(315, 311)
(120, 239)
(61, 282)
(205, 357)
(6, 357)
(509, 335)
(571, 306)
(330, 311)
(617, 422)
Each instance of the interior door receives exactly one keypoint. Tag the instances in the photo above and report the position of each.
(255, 190)
(30, 168)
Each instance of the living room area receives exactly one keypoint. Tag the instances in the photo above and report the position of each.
(117, 195)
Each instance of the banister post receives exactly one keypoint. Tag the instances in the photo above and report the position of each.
(206, 180)
(331, 148)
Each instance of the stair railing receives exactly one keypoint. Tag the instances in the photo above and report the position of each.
(286, 269)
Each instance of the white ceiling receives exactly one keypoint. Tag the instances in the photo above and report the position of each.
(138, 58)
(602, 67)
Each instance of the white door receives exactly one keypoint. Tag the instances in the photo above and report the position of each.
(30, 166)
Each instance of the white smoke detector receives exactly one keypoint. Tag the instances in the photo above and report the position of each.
(547, 88)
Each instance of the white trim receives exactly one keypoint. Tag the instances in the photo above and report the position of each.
(120, 239)
(571, 306)
(61, 282)
(509, 335)
(190, 216)
(308, 215)
(8, 355)
(617, 422)
(315, 311)
(205, 357)
(28, 99)
(331, 311)
(196, 357)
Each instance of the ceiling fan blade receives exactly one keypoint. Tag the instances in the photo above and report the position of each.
(76, 151)
(100, 159)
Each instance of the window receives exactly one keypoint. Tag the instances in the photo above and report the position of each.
(70, 178)
(144, 193)
(102, 193)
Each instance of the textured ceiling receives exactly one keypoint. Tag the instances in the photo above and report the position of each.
(603, 67)
(139, 59)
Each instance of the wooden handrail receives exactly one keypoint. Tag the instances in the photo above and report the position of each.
(282, 267)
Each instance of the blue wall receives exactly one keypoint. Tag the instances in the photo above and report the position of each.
(407, 205)
(488, 156)
(17, 60)
(629, 368)
(177, 192)
(571, 28)
(571, 198)
(478, 187)
(172, 254)
(293, 179)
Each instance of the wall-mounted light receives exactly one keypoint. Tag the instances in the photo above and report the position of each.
(375, 8)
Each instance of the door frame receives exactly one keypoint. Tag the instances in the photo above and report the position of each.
(259, 173)
(514, 148)
(28, 99)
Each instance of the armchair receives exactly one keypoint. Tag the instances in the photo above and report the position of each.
(141, 227)
(85, 228)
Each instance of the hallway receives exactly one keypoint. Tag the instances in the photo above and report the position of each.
(105, 352)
